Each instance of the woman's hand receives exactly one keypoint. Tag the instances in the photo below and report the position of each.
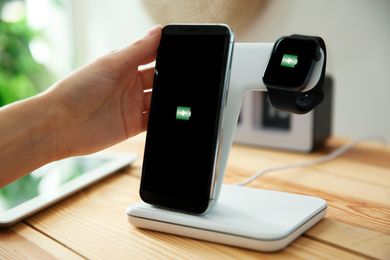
(105, 103)
(97, 106)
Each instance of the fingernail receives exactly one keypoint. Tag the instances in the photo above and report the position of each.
(154, 30)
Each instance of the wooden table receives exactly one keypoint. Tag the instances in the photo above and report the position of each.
(92, 224)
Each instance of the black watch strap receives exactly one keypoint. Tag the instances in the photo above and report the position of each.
(300, 102)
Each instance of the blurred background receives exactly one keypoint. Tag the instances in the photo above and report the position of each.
(44, 40)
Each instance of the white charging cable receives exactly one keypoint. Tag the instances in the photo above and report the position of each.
(325, 158)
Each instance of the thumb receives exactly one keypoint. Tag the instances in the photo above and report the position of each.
(144, 50)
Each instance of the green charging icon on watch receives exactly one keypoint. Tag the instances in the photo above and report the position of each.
(289, 61)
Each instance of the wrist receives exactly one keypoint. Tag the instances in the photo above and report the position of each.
(44, 133)
(28, 138)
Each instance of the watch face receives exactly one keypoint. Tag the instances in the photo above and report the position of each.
(290, 63)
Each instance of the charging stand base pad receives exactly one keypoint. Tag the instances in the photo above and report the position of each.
(256, 219)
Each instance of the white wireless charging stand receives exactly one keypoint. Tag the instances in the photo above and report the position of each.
(250, 218)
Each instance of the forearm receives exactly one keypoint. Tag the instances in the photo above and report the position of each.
(27, 138)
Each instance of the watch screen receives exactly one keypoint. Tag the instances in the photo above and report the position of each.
(290, 63)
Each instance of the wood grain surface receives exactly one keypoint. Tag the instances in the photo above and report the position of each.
(92, 223)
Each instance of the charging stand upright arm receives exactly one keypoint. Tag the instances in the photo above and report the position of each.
(250, 218)
(249, 61)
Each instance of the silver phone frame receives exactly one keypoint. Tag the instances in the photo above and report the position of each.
(217, 156)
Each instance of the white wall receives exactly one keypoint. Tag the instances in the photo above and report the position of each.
(103, 26)
(357, 34)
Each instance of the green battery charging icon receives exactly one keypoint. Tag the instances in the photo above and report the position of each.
(183, 113)
(289, 60)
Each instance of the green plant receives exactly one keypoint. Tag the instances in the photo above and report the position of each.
(20, 75)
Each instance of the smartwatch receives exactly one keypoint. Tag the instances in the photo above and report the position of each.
(295, 73)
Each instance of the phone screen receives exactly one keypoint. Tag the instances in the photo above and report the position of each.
(184, 127)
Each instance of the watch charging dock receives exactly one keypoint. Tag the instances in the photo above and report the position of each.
(244, 217)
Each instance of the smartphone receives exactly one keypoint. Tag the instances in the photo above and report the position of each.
(185, 126)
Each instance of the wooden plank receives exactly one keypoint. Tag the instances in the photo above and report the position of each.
(373, 166)
(359, 202)
(22, 242)
(369, 152)
(94, 224)
(370, 243)
(369, 211)
(353, 201)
